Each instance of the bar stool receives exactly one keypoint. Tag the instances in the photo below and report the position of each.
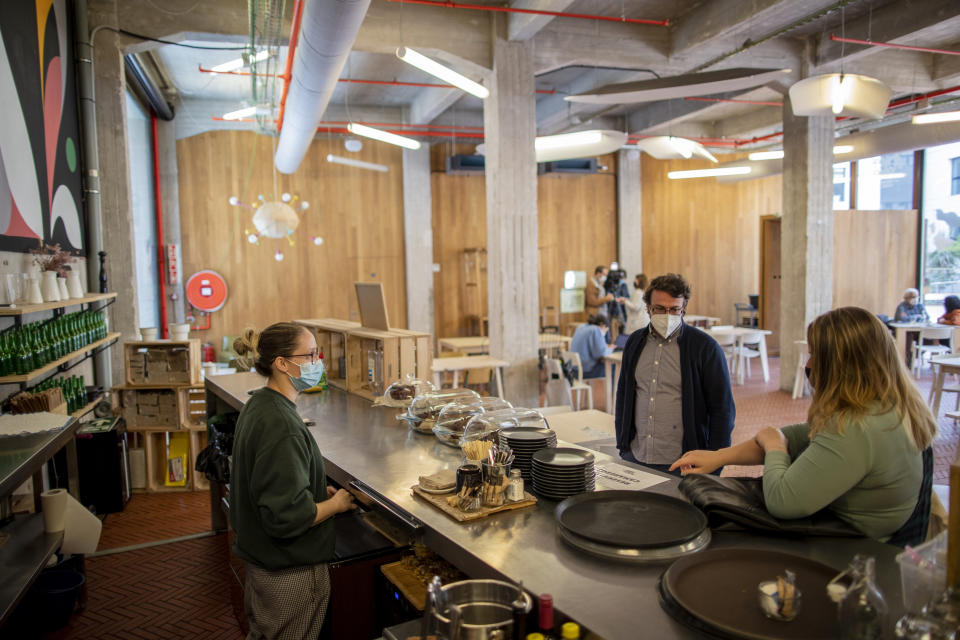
(800, 376)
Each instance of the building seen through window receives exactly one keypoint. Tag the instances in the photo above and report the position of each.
(941, 225)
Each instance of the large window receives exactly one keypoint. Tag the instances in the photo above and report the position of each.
(941, 224)
(841, 185)
(885, 182)
(140, 156)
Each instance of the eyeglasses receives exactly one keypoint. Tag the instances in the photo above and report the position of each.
(656, 309)
(313, 356)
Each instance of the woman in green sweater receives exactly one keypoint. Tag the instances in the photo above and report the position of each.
(861, 451)
(280, 505)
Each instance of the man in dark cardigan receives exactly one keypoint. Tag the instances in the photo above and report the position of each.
(674, 392)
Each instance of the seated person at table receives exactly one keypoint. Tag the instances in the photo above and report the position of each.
(863, 452)
(910, 310)
(590, 343)
(674, 392)
(952, 316)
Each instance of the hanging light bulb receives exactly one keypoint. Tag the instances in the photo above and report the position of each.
(234, 200)
(840, 92)
(285, 197)
(317, 240)
(278, 256)
(252, 238)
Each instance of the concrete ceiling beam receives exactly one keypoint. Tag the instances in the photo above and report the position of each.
(750, 123)
(211, 21)
(523, 26)
(913, 22)
(946, 69)
(668, 112)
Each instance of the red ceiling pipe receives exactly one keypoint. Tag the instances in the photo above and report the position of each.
(538, 12)
(158, 207)
(288, 70)
(891, 45)
(760, 102)
(393, 83)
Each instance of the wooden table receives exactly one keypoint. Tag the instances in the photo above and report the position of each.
(481, 344)
(739, 333)
(944, 365)
(701, 321)
(466, 363)
(611, 377)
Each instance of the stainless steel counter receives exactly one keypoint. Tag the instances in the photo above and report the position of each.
(615, 601)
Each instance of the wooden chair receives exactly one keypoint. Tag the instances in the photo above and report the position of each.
(550, 320)
(579, 385)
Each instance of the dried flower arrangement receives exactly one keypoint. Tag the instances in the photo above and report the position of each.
(52, 258)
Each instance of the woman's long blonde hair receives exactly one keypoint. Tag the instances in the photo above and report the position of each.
(855, 371)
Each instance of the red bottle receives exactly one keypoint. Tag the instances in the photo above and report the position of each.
(545, 616)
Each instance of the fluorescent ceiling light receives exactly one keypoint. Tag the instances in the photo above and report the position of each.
(246, 112)
(766, 155)
(446, 74)
(360, 164)
(934, 118)
(709, 173)
(382, 136)
(240, 63)
(842, 148)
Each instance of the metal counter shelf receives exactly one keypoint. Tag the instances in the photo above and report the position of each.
(366, 443)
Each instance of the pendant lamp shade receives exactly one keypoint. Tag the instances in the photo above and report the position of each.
(674, 148)
(275, 220)
(840, 94)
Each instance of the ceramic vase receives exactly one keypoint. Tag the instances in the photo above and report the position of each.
(75, 285)
(32, 294)
(48, 287)
(62, 285)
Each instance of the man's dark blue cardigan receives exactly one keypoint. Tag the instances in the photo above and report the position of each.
(708, 409)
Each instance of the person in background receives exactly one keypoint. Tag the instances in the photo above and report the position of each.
(952, 316)
(864, 452)
(674, 393)
(280, 505)
(637, 316)
(596, 301)
(590, 343)
(910, 310)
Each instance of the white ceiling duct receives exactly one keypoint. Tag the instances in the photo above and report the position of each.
(327, 31)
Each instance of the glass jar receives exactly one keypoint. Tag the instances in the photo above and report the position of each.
(863, 610)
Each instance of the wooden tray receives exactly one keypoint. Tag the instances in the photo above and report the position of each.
(408, 584)
(440, 502)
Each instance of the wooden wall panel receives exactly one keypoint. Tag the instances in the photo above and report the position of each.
(874, 258)
(358, 213)
(707, 231)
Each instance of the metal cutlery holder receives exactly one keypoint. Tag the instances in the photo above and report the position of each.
(476, 610)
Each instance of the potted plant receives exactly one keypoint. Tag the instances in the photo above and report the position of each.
(52, 261)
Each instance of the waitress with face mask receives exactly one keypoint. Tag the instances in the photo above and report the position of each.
(280, 506)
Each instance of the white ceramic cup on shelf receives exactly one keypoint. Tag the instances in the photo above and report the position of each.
(148, 334)
(179, 331)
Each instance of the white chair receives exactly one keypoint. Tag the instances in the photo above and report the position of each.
(747, 353)
(800, 376)
(578, 385)
(728, 342)
(557, 390)
(920, 349)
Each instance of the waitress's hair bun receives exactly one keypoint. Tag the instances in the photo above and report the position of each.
(277, 340)
(246, 342)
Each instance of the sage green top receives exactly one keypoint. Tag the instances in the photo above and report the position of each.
(276, 479)
(869, 477)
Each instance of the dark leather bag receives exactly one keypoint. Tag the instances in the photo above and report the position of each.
(739, 502)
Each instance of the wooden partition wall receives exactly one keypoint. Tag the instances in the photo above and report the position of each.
(358, 213)
(577, 229)
(707, 231)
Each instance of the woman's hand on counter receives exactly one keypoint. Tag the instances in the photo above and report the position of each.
(698, 462)
(749, 452)
(771, 439)
(338, 501)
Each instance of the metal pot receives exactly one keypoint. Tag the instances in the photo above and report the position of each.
(479, 610)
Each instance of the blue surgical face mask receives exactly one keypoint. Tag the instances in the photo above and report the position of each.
(310, 374)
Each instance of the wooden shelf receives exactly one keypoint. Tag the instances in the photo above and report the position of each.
(24, 309)
(50, 366)
(87, 408)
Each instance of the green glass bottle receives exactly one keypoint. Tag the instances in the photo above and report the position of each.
(24, 359)
(5, 354)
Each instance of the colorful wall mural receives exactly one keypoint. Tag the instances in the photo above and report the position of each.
(40, 172)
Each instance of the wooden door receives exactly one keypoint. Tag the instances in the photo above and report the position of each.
(770, 278)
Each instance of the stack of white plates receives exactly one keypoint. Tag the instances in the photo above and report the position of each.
(559, 473)
(525, 442)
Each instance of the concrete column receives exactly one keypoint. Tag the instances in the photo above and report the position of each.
(418, 238)
(806, 242)
(509, 120)
(115, 198)
(629, 211)
(170, 193)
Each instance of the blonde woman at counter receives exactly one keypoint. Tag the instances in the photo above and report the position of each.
(864, 452)
(280, 505)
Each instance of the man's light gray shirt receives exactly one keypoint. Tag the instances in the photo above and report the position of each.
(658, 410)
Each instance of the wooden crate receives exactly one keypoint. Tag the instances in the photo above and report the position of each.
(162, 362)
(360, 342)
(192, 408)
(147, 409)
(155, 445)
(416, 354)
(331, 336)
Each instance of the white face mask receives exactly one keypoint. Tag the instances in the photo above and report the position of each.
(665, 324)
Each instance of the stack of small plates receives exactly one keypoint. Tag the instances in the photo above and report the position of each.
(525, 442)
(562, 472)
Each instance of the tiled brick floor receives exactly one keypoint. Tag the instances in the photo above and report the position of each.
(182, 590)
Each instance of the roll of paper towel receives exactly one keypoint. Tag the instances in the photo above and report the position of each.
(62, 512)
(54, 503)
